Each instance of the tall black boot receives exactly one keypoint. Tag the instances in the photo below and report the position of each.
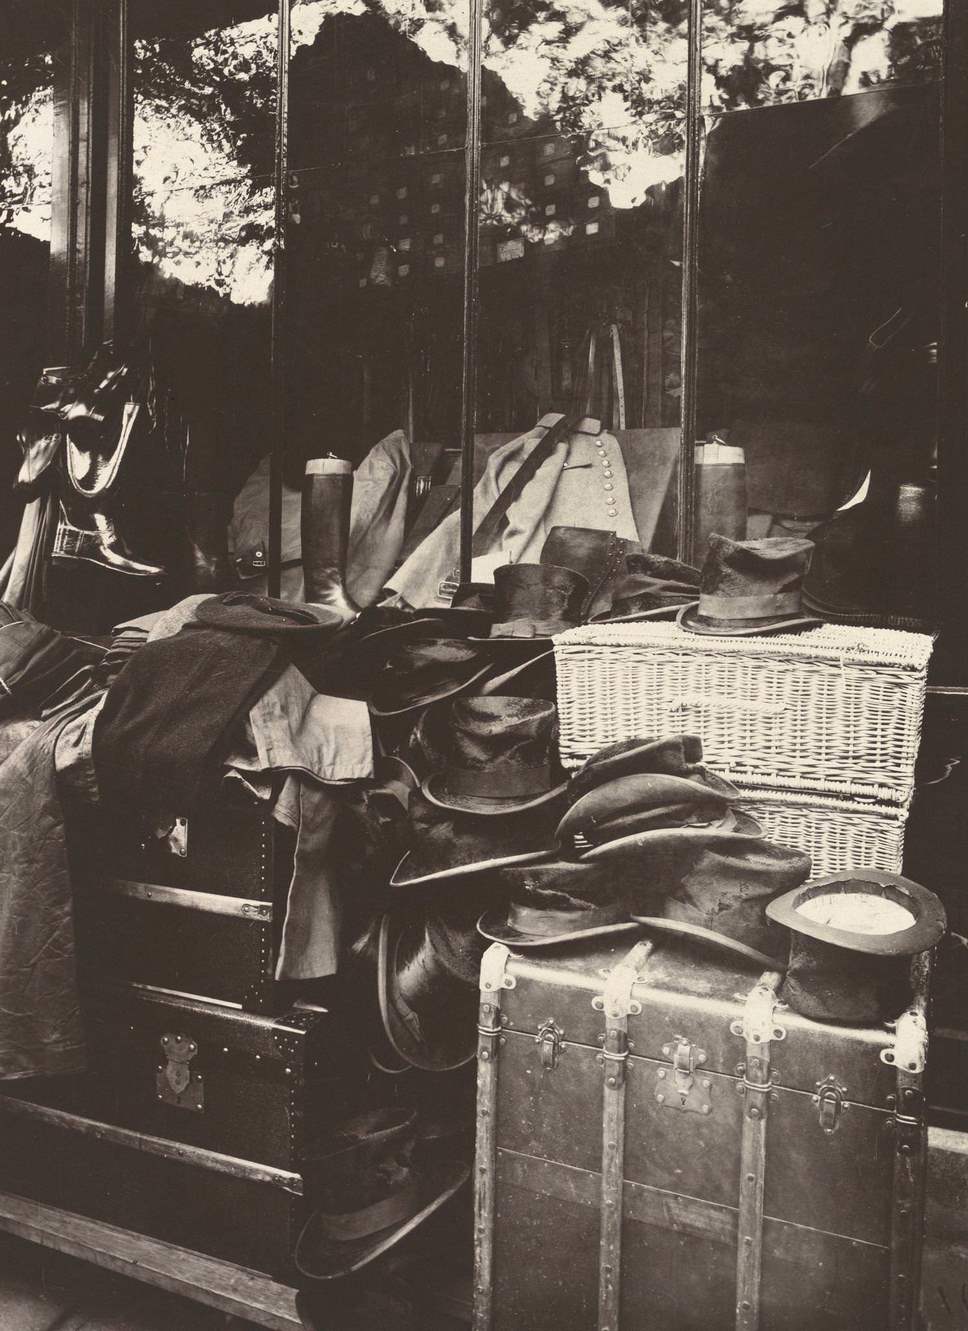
(327, 499)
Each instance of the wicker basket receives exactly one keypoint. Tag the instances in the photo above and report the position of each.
(836, 710)
(838, 835)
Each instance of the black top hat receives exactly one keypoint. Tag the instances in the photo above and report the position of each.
(559, 902)
(372, 1184)
(750, 587)
(851, 939)
(493, 755)
(535, 601)
(247, 612)
(427, 986)
(445, 844)
(417, 671)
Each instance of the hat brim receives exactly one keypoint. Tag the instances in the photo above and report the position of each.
(462, 870)
(450, 692)
(735, 823)
(639, 616)
(496, 928)
(461, 1047)
(540, 640)
(698, 933)
(927, 930)
(243, 619)
(485, 806)
(688, 618)
(440, 1174)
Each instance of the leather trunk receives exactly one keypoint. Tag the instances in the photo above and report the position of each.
(197, 910)
(190, 1125)
(661, 1143)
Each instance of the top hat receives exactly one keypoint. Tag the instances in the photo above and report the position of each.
(247, 612)
(599, 556)
(445, 844)
(851, 939)
(559, 902)
(653, 587)
(416, 671)
(493, 755)
(371, 1185)
(536, 601)
(750, 587)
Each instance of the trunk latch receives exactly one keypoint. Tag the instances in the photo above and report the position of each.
(175, 1083)
(550, 1040)
(685, 1090)
(831, 1100)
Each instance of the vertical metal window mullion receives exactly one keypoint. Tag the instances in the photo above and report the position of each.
(279, 287)
(119, 176)
(472, 195)
(685, 495)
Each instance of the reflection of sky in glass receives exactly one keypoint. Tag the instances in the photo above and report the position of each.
(200, 199)
(25, 194)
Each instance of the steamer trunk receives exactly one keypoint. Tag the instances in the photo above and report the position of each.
(661, 1144)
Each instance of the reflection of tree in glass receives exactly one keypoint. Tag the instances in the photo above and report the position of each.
(202, 206)
(26, 143)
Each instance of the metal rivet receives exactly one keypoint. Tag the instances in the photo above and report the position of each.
(484, 1055)
(705, 1109)
(662, 1074)
(661, 1098)
(700, 1057)
(754, 1111)
(705, 1083)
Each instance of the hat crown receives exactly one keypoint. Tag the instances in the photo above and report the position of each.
(539, 592)
(754, 568)
(494, 729)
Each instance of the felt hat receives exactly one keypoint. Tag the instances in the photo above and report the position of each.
(674, 755)
(532, 678)
(492, 755)
(750, 587)
(599, 556)
(653, 587)
(876, 563)
(852, 937)
(370, 1186)
(559, 901)
(417, 671)
(535, 601)
(427, 986)
(247, 612)
(712, 884)
(445, 844)
(639, 803)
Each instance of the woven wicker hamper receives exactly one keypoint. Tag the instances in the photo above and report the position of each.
(837, 834)
(834, 711)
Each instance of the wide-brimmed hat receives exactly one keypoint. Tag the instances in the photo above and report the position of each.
(852, 936)
(370, 1185)
(639, 803)
(416, 671)
(247, 612)
(599, 556)
(532, 678)
(559, 901)
(535, 601)
(716, 882)
(653, 587)
(750, 587)
(445, 844)
(427, 986)
(673, 755)
(492, 755)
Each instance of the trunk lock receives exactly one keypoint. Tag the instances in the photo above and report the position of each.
(685, 1090)
(831, 1100)
(175, 1083)
(550, 1042)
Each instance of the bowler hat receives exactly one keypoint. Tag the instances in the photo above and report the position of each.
(445, 844)
(427, 986)
(492, 755)
(535, 601)
(559, 902)
(415, 672)
(852, 936)
(750, 587)
(370, 1185)
(247, 612)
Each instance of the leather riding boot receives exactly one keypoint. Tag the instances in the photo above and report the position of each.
(327, 499)
(104, 545)
(206, 527)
